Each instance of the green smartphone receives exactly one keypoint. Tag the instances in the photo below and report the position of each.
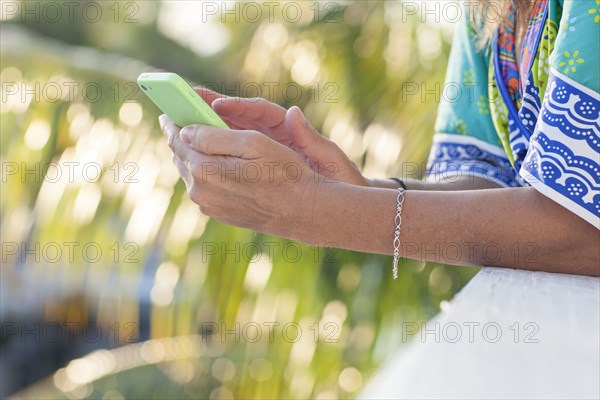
(176, 98)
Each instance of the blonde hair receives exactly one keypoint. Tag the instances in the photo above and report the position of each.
(489, 15)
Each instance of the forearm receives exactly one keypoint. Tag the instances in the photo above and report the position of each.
(517, 228)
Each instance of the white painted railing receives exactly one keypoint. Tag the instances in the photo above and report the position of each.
(507, 334)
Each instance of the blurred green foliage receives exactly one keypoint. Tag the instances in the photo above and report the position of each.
(170, 271)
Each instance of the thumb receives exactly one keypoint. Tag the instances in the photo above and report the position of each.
(214, 141)
(304, 137)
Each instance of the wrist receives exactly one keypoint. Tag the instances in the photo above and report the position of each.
(383, 183)
(340, 218)
(399, 183)
(371, 182)
(301, 219)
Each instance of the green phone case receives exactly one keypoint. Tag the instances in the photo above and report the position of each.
(176, 98)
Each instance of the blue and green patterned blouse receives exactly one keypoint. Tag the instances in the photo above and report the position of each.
(537, 125)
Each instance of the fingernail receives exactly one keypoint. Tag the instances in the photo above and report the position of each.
(161, 120)
(186, 134)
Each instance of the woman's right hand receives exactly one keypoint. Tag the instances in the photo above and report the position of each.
(288, 127)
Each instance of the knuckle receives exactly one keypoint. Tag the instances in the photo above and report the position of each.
(196, 194)
(244, 138)
(198, 129)
(201, 195)
(250, 138)
(196, 167)
(201, 138)
(206, 211)
(197, 174)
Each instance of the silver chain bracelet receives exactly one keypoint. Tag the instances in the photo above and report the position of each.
(398, 221)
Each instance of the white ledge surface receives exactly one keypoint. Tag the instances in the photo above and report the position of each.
(553, 352)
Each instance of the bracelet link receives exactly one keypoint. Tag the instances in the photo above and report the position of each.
(398, 222)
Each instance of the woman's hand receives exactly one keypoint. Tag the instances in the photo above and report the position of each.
(289, 128)
(243, 178)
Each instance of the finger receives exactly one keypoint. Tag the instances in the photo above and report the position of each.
(303, 135)
(169, 129)
(251, 113)
(218, 141)
(208, 95)
(232, 125)
(182, 169)
(180, 149)
(163, 122)
(172, 132)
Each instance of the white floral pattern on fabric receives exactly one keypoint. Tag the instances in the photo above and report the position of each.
(563, 161)
(454, 156)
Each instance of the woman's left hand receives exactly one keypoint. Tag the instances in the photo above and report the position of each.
(243, 178)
